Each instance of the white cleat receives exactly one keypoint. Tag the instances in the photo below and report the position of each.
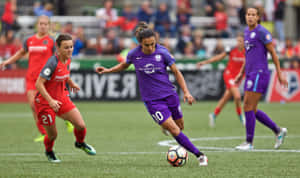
(203, 161)
(280, 138)
(212, 120)
(245, 147)
(242, 120)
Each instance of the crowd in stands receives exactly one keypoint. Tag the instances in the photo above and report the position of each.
(116, 26)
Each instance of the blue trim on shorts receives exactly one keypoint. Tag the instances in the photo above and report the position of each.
(256, 81)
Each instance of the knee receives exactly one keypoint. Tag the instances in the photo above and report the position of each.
(237, 98)
(247, 106)
(181, 126)
(80, 126)
(52, 136)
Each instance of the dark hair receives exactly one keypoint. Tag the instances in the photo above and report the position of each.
(62, 37)
(143, 31)
(257, 12)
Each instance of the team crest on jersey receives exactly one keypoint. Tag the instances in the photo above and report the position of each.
(47, 71)
(249, 84)
(293, 88)
(45, 42)
(252, 35)
(158, 57)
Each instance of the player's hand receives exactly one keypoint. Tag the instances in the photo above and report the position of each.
(3, 65)
(189, 98)
(102, 70)
(74, 88)
(55, 105)
(238, 78)
(200, 64)
(282, 80)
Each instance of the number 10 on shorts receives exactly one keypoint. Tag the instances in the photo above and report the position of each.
(47, 119)
(157, 116)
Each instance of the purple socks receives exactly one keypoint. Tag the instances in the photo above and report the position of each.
(267, 121)
(187, 144)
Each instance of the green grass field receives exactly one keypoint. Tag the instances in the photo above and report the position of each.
(126, 140)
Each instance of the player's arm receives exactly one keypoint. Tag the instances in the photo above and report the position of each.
(216, 58)
(40, 86)
(73, 86)
(179, 78)
(117, 68)
(18, 55)
(275, 59)
(240, 75)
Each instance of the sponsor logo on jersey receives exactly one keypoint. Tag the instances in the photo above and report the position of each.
(37, 48)
(149, 68)
(238, 58)
(248, 45)
(61, 77)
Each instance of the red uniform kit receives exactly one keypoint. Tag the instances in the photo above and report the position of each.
(40, 50)
(56, 73)
(234, 65)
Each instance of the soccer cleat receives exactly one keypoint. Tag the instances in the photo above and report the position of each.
(51, 157)
(86, 148)
(212, 119)
(245, 147)
(203, 161)
(280, 137)
(40, 138)
(69, 126)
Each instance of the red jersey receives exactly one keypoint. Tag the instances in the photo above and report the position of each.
(8, 15)
(40, 50)
(221, 21)
(57, 74)
(235, 63)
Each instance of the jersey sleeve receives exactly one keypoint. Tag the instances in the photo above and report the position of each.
(169, 59)
(129, 57)
(25, 46)
(53, 48)
(49, 68)
(265, 36)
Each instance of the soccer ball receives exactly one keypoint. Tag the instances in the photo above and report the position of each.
(177, 156)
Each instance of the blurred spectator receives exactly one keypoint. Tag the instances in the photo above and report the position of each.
(199, 48)
(297, 49)
(183, 16)
(106, 14)
(219, 48)
(210, 7)
(242, 15)
(163, 22)
(167, 44)
(189, 50)
(145, 13)
(55, 28)
(90, 49)
(8, 16)
(68, 28)
(114, 44)
(259, 4)
(288, 51)
(99, 44)
(221, 20)
(184, 38)
(79, 41)
(39, 9)
(127, 21)
(279, 18)
(8, 47)
(232, 7)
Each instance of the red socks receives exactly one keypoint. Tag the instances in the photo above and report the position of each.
(41, 128)
(48, 143)
(217, 111)
(80, 135)
(239, 111)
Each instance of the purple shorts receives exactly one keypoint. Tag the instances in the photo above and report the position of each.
(257, 82)
(162, 109)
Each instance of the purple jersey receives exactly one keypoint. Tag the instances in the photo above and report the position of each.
(256, 52)
(151, 72)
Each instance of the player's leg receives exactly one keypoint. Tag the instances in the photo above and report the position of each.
(49, 142)
(170, 125)
(250, 104)
(221, 103)
(30, 97)
(238, 104)
(76, 119)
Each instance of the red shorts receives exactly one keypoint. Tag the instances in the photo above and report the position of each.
(229, 80)
(46, 114)
(30, 84)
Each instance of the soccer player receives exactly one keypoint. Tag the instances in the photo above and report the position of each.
(258, 41)
(161, 100)
(40, 48)
(52, 98)
(236, 60)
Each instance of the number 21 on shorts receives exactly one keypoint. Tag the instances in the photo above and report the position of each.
(47, 119)
(157, 116)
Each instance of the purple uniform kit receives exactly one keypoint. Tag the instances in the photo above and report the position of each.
(161, 99)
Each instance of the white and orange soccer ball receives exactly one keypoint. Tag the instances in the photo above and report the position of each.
(177, 156)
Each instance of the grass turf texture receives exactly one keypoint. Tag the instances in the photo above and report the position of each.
(126, 139)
